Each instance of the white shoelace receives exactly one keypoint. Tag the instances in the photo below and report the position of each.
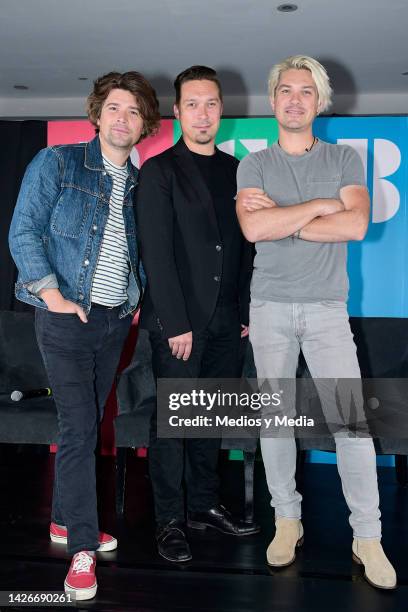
(82, 562)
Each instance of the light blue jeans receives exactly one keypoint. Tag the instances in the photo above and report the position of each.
(321, 330)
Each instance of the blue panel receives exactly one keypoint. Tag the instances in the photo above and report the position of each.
(316, 456)
(378, 265)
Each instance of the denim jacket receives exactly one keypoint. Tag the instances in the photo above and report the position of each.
(59, 220)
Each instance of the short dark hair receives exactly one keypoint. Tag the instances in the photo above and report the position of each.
(196, 73)
(136, 84)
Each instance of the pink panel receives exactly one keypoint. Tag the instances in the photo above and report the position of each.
(67, 132)
(156, 144)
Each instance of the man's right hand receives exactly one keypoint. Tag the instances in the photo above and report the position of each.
(253, 201)
(181, 345)
(57, 303)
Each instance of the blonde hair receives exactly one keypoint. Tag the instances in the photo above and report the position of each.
(303, 62)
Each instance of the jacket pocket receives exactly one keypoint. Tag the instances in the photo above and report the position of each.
(70, 213)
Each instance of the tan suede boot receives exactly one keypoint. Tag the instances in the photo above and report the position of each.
(378, 571)
(288, 535)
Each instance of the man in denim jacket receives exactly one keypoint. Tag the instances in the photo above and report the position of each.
(73, 238)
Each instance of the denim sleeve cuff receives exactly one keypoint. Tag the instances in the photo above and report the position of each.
(48, 282)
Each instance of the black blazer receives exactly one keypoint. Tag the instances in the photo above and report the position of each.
(180, 243)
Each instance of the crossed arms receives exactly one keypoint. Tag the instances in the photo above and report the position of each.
(318, 220)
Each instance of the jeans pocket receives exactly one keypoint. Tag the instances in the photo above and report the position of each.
(257, 304)
(61, 315)
(333, 304)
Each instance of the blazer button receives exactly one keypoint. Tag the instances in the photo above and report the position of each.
(86, 262)
(218, 247)
(217, 278)
(81, 296)
(94, 227)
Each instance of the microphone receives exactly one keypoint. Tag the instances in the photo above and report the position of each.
(16, 396)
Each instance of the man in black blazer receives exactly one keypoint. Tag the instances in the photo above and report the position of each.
(198, 267)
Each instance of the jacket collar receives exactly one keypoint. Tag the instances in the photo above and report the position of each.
(94, 161)
(181, 151)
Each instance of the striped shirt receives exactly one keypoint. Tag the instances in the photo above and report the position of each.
(111, 277)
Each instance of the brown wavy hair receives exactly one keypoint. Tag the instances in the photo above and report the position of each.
(136, 84)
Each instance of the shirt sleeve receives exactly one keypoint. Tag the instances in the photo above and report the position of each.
(353, 169)
(48, 282)
(249, 173)
(155, 223)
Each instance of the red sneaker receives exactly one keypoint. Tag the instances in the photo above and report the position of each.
(58, 535)
(81, 580)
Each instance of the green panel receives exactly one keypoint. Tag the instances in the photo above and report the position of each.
(236, 455)
(176, 130)
(242, 136)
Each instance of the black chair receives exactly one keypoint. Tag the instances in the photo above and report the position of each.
(29, 421)
(136, 393)
(382, 349)
(34, 421)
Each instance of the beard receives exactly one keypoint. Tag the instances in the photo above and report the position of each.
(203, 138)
(124, 141)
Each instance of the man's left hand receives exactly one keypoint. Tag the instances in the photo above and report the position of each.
(244, 331)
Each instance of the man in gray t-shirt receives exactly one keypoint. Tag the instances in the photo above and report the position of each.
(289, 269)
(301, 201)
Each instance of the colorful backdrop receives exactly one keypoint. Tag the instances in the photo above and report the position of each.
(377, 266)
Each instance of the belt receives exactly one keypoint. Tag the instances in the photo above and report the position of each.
(96, 305)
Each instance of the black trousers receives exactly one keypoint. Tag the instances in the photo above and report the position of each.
(81, 361)
(215, 354)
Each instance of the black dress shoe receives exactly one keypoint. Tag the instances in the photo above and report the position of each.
(171, 541)
(219, 518)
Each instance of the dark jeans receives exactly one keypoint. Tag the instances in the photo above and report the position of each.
(81, 361)
(215, 354)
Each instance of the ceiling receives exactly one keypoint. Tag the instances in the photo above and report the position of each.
(47, 45)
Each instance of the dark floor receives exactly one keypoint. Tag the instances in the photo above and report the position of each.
(226, 574)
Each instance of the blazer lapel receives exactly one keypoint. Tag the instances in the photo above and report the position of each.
(192, 176)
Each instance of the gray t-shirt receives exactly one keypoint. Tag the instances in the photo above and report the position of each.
(293, 270)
